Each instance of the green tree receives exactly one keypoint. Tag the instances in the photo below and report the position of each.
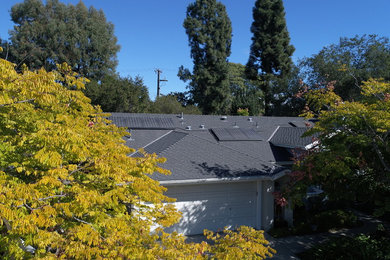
(51, 33)
(69, 190)
(351, 160)
(349, 63)
(287, 100)
(116, 94)
(245, 93)
(170, 105)
(270, 53)
(182, 97)
(209, 33)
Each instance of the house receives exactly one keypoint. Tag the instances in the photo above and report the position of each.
(224, 168)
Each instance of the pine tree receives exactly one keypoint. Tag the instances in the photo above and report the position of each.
(209, 33)
(270, 54)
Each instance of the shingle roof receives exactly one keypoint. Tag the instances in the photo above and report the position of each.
(201, 153)
(141, 122)
(142, 137)
(164, 142)
(196, 158)
(291, 137)
(236, 134)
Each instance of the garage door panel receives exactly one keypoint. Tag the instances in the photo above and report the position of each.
(214, 206)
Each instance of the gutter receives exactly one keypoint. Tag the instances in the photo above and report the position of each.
(224, 180)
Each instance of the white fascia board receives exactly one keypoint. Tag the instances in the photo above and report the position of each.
(306, 147)
(224, 180)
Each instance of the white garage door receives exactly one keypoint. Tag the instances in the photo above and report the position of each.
(214, 206)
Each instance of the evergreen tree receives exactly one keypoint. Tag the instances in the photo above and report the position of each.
(48, 34)
(245, 93)
(209, 33)
(270, 54)
(116, 94)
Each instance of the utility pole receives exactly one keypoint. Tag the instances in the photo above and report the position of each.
(158, 71)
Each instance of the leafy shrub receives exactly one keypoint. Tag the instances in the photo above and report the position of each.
(320, 222)
(359, 247)
(334, 219)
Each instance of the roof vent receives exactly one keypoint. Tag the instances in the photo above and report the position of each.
(188, 127)
(181, 116)
(257, 124)
(250, 119)
(223, 117)
(129, 138)
(235, 125)
(201, 126)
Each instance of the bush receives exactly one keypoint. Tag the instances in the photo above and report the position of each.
(334, 219)
(359, 247)
(320, 222)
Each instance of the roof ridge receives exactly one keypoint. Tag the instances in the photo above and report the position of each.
(162, 137)
(219, 143)
(143, 147)
(168, 147)
(272, 135)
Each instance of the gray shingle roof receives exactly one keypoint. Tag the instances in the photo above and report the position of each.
(164, 142)
(291, 137)
(236, 134)
(201, 153)
(142, 137)
(141, 122)
(196, 158)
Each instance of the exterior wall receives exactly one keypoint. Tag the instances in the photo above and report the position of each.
(267, 214)
(259, 204)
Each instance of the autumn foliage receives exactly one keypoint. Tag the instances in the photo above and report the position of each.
(68, 189)
(350, 160)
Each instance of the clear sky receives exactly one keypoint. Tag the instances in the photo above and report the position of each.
(151, 34)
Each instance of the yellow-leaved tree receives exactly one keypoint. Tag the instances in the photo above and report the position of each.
(68, 189)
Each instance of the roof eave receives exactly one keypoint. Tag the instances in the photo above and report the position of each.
(225, 180)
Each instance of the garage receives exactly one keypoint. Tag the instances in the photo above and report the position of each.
(214, 206)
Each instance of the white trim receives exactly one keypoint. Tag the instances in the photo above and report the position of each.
(272, 135)
(224, 180)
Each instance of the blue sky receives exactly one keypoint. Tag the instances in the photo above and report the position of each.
(151, 34)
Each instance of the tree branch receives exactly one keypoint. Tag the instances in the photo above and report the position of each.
(90, 224)
(17, 102)
(376, 148)
(53, 196)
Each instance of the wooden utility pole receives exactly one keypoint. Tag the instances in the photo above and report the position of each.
(158, 71)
